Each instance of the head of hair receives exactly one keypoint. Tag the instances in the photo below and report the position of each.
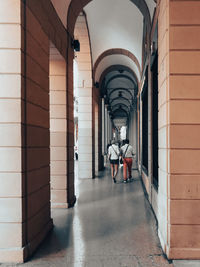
(127, 141)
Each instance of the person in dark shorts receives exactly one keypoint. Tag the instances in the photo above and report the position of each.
(113, 155)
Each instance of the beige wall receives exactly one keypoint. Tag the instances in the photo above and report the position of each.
(58, 132)
(179, 113)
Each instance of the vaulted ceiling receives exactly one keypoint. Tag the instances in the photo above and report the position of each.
(116, 30)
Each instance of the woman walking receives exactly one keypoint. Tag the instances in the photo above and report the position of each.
(113, 155)
(127, 154)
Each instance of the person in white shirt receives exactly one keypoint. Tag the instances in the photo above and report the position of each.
(127, 154)
(113, 155)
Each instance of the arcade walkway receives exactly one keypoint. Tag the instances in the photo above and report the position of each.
(111, 225)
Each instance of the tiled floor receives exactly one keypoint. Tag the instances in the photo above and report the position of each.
(111, 225)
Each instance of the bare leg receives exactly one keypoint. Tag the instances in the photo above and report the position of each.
(116, 169)
(112, 170)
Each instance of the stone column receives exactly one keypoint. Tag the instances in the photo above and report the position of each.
(103, 126)
(106, 128)
(96, 122)
(36, 134)
(83, 59)
(24, 132)
(58, 132)
(85, 132)
(179, 128)
(110, 128)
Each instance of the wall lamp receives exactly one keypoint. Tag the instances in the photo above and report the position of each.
(96, 84)
(153, 48)
(76, 45)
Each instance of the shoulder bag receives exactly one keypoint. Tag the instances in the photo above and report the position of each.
(121, 159)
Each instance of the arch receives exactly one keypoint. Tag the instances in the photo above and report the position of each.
(121, 104)
(117, 51)
(122, 110)
(120, 97)
(121, 89)
(115, 68)
(120, 76)
(76, 7)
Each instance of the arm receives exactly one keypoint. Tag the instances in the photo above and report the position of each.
(118, 151)
(108, 152)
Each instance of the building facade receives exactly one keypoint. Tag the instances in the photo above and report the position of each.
(138, 66)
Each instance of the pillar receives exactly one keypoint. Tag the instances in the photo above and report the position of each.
(83, 58)
(11, 177)
(103, 127)
(110, 129)
(179, 128)
(36, 134)
(96, 119)
(24, 133)
(71, 198)
(106, 128)
(58, 132)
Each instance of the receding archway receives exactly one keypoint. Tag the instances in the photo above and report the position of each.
(117, 51)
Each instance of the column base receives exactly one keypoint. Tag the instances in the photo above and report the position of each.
(12, 255)
(20, 255)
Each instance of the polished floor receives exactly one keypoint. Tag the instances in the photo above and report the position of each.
(111, 225)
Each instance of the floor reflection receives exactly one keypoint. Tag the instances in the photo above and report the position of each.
(79, 245)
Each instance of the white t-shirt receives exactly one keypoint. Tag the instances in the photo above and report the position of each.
(111, 152)
(129, 151)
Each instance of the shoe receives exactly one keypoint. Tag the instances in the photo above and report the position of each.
(128, 180)
(125, 181)
(114, 180)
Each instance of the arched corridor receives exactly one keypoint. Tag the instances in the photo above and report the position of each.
(76, 74)
(111, 225)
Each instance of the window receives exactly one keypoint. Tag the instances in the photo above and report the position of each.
(154, 70)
